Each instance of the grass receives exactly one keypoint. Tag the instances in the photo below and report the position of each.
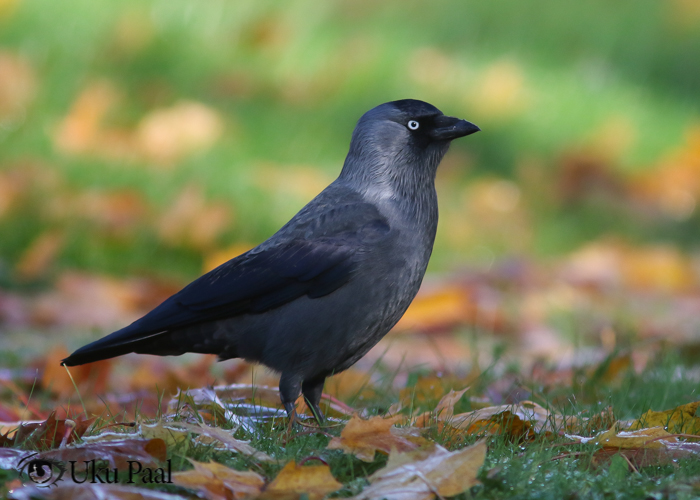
(290, 82)
(542, 468)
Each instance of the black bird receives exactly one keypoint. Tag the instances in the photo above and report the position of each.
(322, 291)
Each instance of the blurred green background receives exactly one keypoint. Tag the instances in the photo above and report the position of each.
(157, 138)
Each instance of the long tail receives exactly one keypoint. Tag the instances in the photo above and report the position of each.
(117, 344)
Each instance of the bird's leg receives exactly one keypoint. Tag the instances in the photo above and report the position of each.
(312, 390)
(290, 388)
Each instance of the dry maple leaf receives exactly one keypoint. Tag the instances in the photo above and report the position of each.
(426, 473)
(218, 482)
(363, 438)
(315, 481)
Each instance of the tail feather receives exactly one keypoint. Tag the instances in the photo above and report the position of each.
(112, 346)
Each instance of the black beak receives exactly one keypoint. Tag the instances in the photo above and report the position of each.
(448, 128)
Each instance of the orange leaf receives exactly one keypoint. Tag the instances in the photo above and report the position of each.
(218, 482)
(363, 438)
(89, 378)
(316, 481)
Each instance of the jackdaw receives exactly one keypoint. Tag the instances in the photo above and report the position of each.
(322, 291)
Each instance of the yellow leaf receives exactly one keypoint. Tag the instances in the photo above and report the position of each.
(680, 420)
(316, 481)
(445, 307)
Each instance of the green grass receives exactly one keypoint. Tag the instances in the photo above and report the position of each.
(539, 469)
(306, 73)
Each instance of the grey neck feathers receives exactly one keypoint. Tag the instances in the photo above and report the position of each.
(386, 171)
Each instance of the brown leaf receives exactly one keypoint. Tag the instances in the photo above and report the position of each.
(316, 481)
(363, 438)
(444, 411)
(218, 482)
(51, 433)
(522, 420)
(118, 453)
(424, 474)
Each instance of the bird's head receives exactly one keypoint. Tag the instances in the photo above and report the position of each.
(402, 139)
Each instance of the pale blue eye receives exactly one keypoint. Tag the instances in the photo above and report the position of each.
(413, 125)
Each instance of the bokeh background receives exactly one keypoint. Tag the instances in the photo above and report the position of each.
(144, 142)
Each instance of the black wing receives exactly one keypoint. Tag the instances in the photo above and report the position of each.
(264, 278)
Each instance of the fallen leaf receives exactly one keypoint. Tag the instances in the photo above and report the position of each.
(442, 309)
(168, 134)
(50, 433)
(293, 481)
(225, 438)
(444, 411)
(81, 129)
(522, 420)
(88, 378)
(363, 438)
(192, 221)
(171, 435)
(117, 453)
(91, 492)
(40, 255)
(17, 86)
(427, 473)
(641, 448)
(680, 420)
(218, 482)
(10, 457)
